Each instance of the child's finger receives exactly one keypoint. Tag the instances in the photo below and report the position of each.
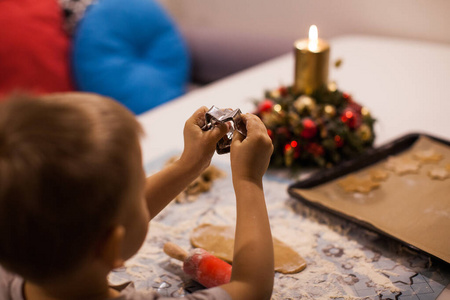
(253, 124)
(198, 117)
(219, 131)
(237, 137)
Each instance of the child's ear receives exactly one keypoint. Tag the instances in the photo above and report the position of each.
(111, 250)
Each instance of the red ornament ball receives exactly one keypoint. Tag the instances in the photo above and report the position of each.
(309, 128)
(351, 118)
(265, 106)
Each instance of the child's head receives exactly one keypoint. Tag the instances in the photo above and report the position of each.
(70, 172)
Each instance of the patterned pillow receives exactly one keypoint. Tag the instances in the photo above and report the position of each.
(73, 11)
(34, 49)
(131, 51)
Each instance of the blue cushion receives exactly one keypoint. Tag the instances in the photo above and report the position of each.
(131, 51)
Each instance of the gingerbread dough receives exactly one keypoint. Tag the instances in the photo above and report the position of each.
(428, 156)
(219, 241)
(353, 184)
(200, 185)
(402, 165)
(378, 174)
(439, 173)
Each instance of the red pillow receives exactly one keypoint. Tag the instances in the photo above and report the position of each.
(34, 49)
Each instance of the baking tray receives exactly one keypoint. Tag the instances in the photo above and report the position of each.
(366, 160)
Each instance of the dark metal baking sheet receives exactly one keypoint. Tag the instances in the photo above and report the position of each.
(367, 159)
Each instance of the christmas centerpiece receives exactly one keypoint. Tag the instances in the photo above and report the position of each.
(313, 123)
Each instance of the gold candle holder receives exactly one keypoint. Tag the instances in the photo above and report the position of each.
(312, 57)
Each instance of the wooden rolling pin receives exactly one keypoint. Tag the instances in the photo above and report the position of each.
(201, 265)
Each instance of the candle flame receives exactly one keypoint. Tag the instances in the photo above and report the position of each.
(313, 38)
(313, 32)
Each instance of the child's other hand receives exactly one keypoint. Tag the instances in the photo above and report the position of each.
(199, 145)
(250, 156)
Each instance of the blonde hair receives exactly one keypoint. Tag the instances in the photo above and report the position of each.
(64, 166)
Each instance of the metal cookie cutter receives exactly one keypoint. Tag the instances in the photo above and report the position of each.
(215, 116)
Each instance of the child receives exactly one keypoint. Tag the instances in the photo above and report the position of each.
(75, 204)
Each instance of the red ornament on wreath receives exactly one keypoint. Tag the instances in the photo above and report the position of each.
(265, 106)
(309, 128)
(351, 118)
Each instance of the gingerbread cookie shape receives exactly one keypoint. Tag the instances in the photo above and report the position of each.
(403, 165)
(378, 174)
(219, 241)
(439, 173)
(199, 185)
(427, 156)
(355, 184)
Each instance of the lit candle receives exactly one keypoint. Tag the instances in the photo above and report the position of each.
(311, 62)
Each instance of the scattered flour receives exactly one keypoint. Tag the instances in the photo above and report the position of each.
(335, 250)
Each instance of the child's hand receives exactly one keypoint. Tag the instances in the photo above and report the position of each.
(199, 145)
(250, 156)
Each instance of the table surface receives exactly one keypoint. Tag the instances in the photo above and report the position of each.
(403, 83)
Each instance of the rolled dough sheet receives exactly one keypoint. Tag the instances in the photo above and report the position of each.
(219, 241)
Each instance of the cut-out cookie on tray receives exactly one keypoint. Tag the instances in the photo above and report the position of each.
(427, 156)
(439, 173)
(402, 165)
(378, 174)
(358, 184)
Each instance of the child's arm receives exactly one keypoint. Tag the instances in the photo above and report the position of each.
(253, 261)
(199, 147)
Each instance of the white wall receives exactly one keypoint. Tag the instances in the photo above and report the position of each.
(228, 35)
